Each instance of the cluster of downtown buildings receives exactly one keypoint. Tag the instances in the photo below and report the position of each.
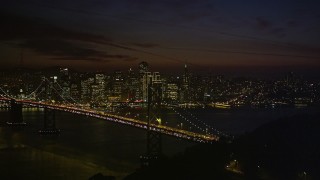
(186, 89)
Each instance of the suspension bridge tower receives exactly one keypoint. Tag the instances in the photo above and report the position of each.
(49, 120)
(154, 140)
(16, 117)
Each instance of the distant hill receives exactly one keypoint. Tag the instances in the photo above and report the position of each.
(288, 148)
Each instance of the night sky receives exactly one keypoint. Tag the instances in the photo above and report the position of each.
(210, 35)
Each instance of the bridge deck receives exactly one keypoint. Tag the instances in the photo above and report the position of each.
(180, 133)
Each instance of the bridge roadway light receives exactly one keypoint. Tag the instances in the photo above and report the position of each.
(158, 120)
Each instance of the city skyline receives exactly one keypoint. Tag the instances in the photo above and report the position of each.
(210, 36)
(159, 89)
(184, 89)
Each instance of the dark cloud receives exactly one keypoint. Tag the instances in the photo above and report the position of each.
(262, 23)
(192, 9)
(278, 32)
(292, 24)
(72, 58)
(136, 23)
(131, 59)
(60, 48)
(15, 27)
(266, 26)
(171, 11)
(50, 40)
(65, 50)
(145, 45)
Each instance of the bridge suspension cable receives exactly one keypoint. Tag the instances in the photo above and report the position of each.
(8, 96)
(54, 89)
(207, 126)
(37, 95)
(189, 121)
(200, 121)
(61, 95)
(29, 95)
(74, 101)
(65, 92)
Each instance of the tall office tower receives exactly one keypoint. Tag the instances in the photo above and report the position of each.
(118, 84)
(157, 93)
(50, 85)
(185, 89)
(108, 86)
(132, 86)
(143, 68)
(172, 92)
(86, 89)
(100, 78)
(64, 81)
(96, 93)
(186, 77)
(98, 88)
(75, 91)
(146, 79)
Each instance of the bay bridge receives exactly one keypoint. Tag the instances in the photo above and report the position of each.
(76, 108)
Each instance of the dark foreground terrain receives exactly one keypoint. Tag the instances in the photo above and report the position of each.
(288, 148)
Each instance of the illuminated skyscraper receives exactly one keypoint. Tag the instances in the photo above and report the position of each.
(146, 80)
(186, 77)
(64, 81)
(98, 88)
(75, 91)
(172, 92)
(118, 84)
(132, 84)
(86, 89)
(185, 89)
(143, 68)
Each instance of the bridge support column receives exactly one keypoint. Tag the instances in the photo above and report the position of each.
(154, 140)
(16, 117)
(154, 147)
(49, 122)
